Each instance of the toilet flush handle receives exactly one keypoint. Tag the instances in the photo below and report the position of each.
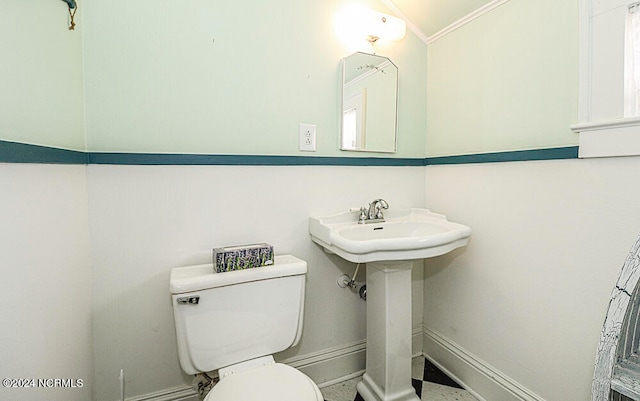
(195, 300)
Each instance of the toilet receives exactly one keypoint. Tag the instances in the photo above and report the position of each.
(235, 321)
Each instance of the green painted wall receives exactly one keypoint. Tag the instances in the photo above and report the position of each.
(195, 76)
(229, 77)
(506, 81)
(217, 77)
(41, 75)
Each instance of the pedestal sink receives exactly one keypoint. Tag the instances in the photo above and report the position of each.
(388, 248)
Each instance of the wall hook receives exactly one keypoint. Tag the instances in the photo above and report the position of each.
(73, 7)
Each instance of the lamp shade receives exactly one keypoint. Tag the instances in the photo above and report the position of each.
(383, 26)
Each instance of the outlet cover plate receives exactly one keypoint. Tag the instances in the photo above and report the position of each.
(307, 138)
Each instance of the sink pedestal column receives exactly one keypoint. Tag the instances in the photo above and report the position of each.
(388, 368)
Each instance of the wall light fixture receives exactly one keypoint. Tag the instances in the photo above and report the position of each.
(379, 26)
(360, 28)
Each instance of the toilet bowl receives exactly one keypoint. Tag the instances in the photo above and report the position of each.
(269, 381)
(235, 321)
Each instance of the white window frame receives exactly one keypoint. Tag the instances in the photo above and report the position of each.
(603, 128)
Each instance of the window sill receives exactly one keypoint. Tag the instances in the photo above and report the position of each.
(609, 138)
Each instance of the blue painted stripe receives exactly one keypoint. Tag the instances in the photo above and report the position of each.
(245, 160)
(497, 157)
(14, 152)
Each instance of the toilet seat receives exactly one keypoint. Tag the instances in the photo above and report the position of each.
(272, 382)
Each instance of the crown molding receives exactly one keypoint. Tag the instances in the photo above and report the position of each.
(465, 20)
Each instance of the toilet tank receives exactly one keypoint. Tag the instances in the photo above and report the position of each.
(226, 318)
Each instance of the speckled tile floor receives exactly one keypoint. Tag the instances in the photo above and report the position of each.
(430, 383)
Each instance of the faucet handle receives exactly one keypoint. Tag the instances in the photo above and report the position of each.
(363, 215)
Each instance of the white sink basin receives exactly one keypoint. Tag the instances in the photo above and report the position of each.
(406, 234)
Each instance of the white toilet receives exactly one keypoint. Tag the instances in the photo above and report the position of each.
(235, 321)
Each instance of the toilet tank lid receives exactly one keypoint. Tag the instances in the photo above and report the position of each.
(202, 277)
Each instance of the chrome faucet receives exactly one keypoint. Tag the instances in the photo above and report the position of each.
(374, 213)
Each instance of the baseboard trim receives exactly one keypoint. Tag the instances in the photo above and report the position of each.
(325, 368)
(347, 361)
(332, 365)
(417, 340)
(180, 393)
(482, 380)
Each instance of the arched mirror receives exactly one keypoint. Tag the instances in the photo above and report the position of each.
(369, 103)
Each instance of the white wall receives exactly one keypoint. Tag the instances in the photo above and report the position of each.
(517, 314)
(165, 77)
(44, 256)
(528, 296)
(606, 41)
(46, 280)
(146, 220)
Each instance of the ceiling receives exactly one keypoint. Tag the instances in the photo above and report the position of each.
(430, 16)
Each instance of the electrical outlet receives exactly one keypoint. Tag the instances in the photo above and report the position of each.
(307, 138)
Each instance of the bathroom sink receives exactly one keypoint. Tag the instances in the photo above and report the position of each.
(406, 234)
(388, 248)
